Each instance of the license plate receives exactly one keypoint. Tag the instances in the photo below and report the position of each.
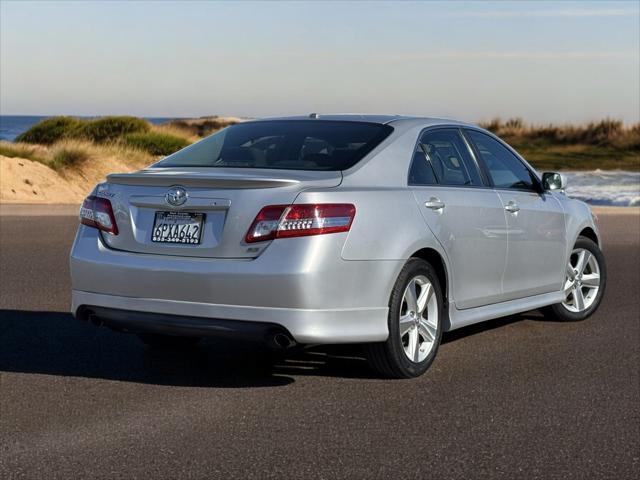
(177, 227)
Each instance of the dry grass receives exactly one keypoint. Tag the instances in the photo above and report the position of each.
(607, 144)
(66, 154)
(607, 132)
(20, 150)
(94, 153)
(176, 130)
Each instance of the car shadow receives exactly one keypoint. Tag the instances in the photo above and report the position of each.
(54, 343)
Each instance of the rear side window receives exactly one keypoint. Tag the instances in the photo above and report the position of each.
(442, 157)
(506, 170)
(422, 172)
(284, 144)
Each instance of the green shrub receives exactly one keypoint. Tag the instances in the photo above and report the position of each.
(155, 143)
(68, 156)
(108, 129)
(50, 130)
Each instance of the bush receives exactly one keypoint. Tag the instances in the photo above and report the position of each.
(50, 130)
(107, 129)
(155, 143)
(68, 156)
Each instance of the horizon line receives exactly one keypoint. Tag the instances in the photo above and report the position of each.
(481, 120)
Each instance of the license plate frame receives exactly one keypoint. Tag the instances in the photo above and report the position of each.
(189, 220)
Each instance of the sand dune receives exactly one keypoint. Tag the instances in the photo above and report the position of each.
(26, 181)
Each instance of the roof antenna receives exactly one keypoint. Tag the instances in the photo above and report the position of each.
(313, 115)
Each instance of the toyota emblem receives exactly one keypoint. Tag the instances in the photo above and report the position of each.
(176, 196)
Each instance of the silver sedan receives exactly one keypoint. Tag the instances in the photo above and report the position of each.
(381, 230)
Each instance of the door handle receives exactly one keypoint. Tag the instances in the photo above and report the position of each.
(434, 204)
(512, 207)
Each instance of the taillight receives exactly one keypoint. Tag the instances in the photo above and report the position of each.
(281, 221)
(97, 212)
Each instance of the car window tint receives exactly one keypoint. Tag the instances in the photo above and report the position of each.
(421, 172)
(505, 169)
(284, 144)
(443, 157)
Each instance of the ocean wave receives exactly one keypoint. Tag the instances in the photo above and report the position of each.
(605, 187)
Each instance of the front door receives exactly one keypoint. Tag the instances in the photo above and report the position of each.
(535, 222)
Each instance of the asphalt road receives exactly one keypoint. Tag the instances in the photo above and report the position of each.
(513, 398)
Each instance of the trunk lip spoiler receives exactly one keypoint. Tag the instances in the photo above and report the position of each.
(200, 181)
(220, 179)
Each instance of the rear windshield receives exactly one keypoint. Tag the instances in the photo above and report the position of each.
(283, 144)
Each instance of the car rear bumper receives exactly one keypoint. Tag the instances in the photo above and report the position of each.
(131, 321)
(301, 285)
(202, 319)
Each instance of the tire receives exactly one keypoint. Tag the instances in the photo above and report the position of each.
(569, 310)
(166, 342)
(390, 359)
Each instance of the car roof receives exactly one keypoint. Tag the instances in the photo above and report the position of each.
(404, 120)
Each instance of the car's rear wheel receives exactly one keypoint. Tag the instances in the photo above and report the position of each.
(414, 321)
(585, 281)
(155, 340)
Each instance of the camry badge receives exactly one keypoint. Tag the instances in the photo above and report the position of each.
(176, 196)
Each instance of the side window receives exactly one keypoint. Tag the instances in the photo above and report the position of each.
(442, 157)
(506, 170)
(421, 172)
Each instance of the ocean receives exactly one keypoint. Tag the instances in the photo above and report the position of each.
(599, 187)
(605, 187)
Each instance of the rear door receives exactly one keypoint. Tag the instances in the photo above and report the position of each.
(466, 217)
(535, 221)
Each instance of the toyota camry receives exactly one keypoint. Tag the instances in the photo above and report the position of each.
(380, 230)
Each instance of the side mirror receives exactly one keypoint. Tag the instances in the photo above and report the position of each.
(553, 181)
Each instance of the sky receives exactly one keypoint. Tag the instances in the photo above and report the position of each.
(542, 61)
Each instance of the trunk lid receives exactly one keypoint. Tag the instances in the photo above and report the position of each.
(229, 198)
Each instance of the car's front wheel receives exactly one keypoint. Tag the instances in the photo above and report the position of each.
(414, 321)
(585, 281)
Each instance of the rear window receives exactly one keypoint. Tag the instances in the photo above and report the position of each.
(283, 144)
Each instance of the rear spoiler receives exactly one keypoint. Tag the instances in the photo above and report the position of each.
(208, 177)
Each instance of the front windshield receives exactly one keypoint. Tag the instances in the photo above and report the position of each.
(283, 144)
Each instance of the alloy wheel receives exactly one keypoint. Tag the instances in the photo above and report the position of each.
(582, 280)
(418, 319)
